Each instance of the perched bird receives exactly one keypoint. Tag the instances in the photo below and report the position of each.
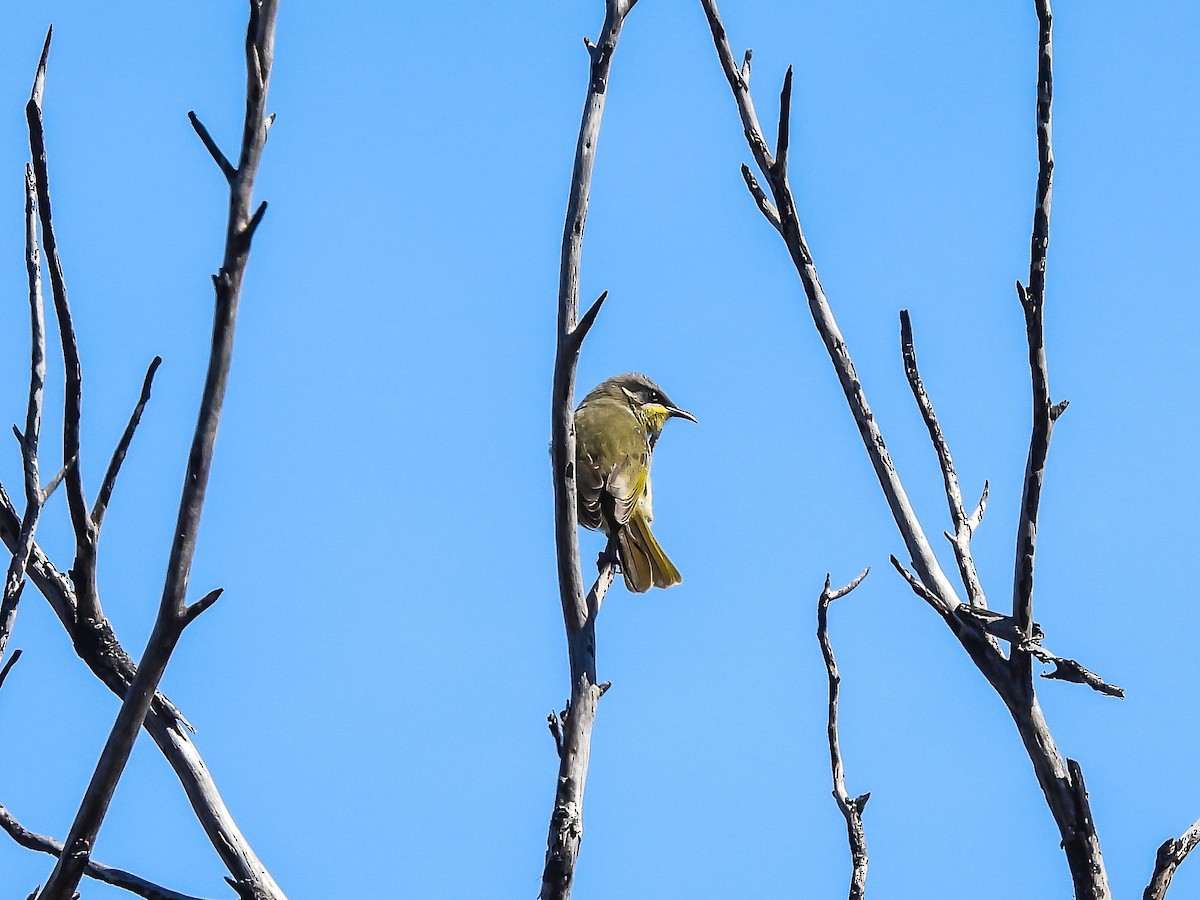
(616, 428)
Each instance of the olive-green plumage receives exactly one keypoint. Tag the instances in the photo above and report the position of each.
(616, 428)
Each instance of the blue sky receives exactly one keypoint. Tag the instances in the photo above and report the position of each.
(371, 692)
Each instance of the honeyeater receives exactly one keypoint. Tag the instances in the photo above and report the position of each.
(616, 428)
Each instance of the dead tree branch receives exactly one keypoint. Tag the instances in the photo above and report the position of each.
(1170, 856)
(173, 614)
(35, 496)
(579, 611)
(135, 884)
(852, 808)
(774, 172)
(1061, 780)
(964, 526)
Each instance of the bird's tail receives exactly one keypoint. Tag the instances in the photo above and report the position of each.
(643, 562)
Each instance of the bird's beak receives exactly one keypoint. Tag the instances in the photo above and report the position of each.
(674, 412)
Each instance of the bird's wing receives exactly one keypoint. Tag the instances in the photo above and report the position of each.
(627, 483)
(589, 485)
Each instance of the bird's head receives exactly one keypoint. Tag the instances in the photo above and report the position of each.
(648, 400)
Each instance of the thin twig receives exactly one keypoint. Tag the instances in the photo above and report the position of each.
(73, 389)
(1170, 856)
(961, 539)
(219, 158)
(852, 808)
(135, 884)
(119, 452)
(8, 666)
(579, 610)
(172, 614)
(35, 497)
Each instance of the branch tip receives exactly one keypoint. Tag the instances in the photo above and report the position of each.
(8, 665)
(214, 151)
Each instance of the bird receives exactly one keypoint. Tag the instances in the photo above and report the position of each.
(616, 429)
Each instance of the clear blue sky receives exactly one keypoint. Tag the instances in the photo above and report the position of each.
(371, 692)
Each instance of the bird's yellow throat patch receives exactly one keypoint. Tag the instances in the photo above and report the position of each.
(656, 416)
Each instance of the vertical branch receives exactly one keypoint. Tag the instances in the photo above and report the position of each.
(852, 808)
(14, 582)
(1033, 304)
(173, 614)
(84, 570)
(566, 820)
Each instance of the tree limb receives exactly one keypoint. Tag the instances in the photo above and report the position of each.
(1033, 300)
(100, 872)
(579, 611)
(172, 615)
(776, 177)
(1060, 780)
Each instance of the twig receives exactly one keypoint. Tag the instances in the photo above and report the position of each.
(73, 389)
(172, 615)
(219, 158)
(961, 539)
(35, 497)
(579, 611)
(1170, 856)
(8, 666)
(852, 809)
(122, 448)
(100, 872)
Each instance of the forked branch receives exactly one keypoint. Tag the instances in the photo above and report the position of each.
(1061, 780)
(851, 808)
(135, 884)
(172, 614)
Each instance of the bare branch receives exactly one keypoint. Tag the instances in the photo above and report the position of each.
(1011, 679)
(114, 466)
(214, 151)
(924, 561)
(1033, 303)
(191, 612)
(8, 666)
(765, 206)
(1170, 856)
(73, 393)
(1069, 670)
(172, 614)
(35, 497)
(782, 137)
(589, 318)
(852, 809)
(579, 611)
(961, 539)
(100, 872)
(99, 648)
